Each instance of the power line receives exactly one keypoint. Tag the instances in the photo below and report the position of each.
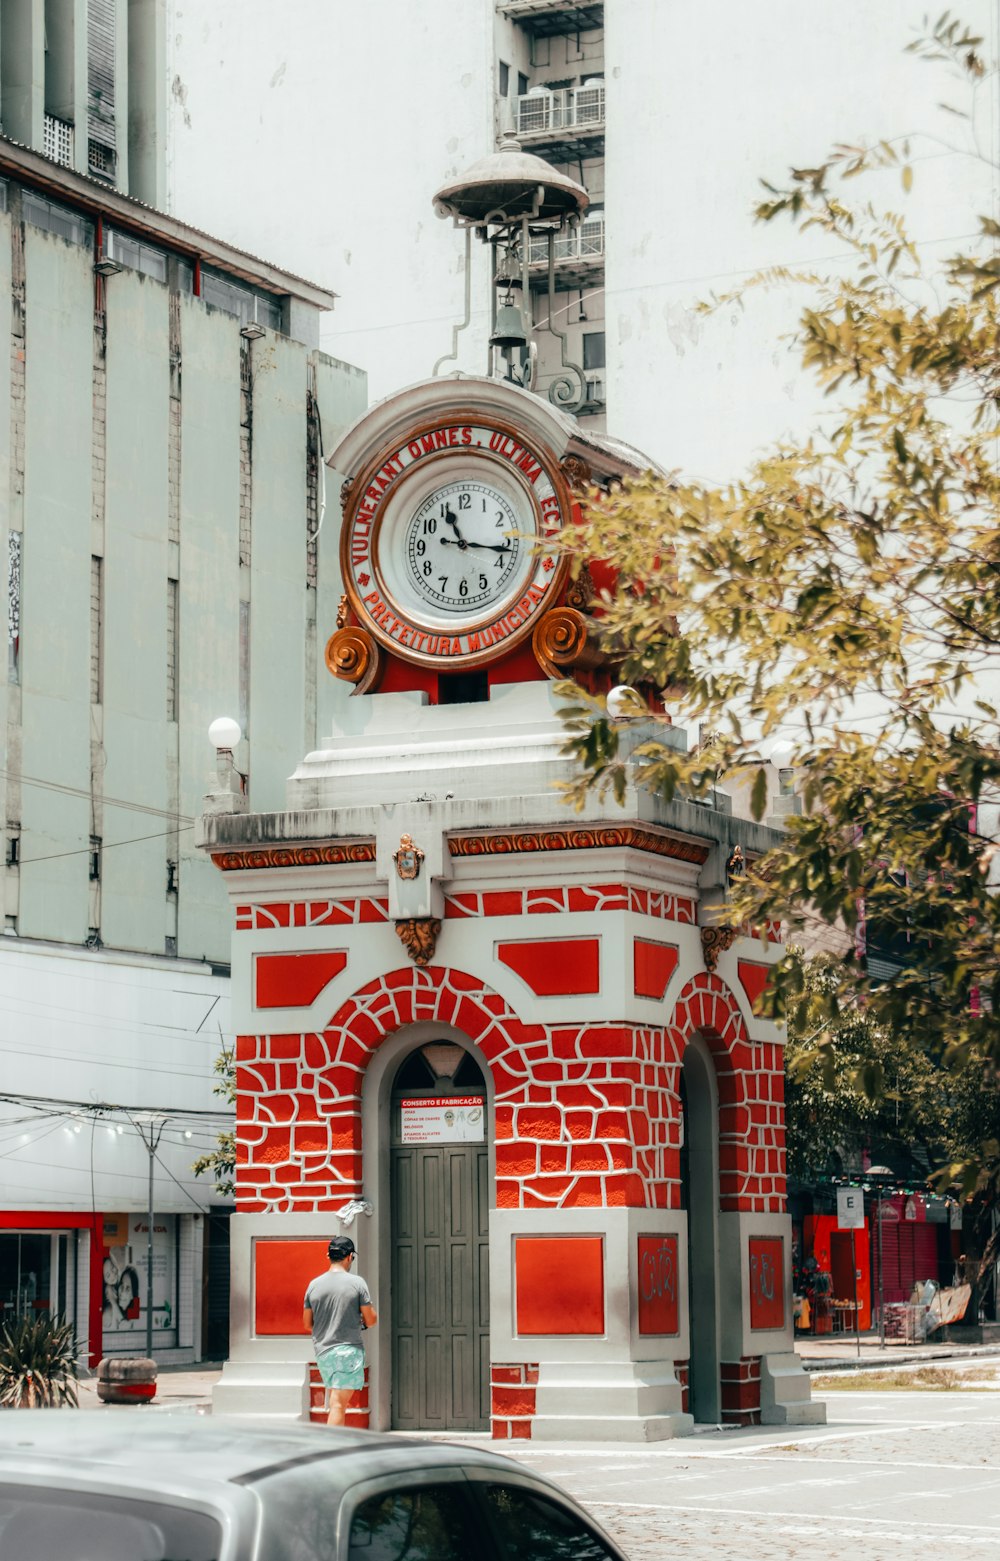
(88, 796)
(106, 845)
(101, 1107)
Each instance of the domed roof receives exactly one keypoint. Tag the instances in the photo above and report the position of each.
(506, 182)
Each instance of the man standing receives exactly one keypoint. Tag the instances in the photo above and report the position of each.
(337, 1308)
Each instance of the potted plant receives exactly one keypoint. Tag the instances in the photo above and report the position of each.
(38, 1356)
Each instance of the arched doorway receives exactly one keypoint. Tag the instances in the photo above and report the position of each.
(700, 1197)
(439, 1199)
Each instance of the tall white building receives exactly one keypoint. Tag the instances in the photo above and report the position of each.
(339, 122)
(162, 417)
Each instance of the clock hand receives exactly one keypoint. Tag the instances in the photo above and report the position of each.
(490, 547)
(453, 523)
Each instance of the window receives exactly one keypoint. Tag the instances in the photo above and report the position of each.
(13, 607)
(171, 650)
(503, 79)
(593, 350)
(96, 630)
(248, 307)
(41, 1522)
(56, 219)
(431, 1523)
(135, 255)
(525, 1524)
(95, 858)
(522, 84)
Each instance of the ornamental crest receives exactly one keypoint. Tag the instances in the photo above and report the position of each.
(408, 858)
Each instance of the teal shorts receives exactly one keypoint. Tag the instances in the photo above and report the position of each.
(342, 1367)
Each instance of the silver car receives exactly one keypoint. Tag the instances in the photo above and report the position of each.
(135, 1485)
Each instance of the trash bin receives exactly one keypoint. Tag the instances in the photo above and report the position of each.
(126, 1379)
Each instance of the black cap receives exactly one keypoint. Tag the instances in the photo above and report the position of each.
(339, 1248)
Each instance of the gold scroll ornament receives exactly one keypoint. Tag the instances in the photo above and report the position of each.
(354, 655)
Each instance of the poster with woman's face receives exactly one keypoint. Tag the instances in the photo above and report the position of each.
(124, 1277)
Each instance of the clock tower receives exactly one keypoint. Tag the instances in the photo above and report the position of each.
(512, 1048)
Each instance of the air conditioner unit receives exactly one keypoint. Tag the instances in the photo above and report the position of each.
(107, 262)
(252, 329)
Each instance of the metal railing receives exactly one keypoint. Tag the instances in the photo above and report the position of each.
(569, 108)
(585, 242)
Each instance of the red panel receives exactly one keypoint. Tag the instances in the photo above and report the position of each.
(281, 1272)
(822, 1237)
(559, 1284)
(767, 1282)
(653, 965)
(294, 980)
(557, 967)
(658, 1279)
(753, 978)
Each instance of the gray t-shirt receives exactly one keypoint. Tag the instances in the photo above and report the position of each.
(336, 1299)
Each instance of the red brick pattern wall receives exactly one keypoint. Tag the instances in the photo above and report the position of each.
(357, 1409)
(741, 1391)
(318, 913)
(572, 897)
(513, 1400)
(585, 1114)
(751, 1083)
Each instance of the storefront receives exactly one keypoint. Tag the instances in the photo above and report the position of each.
(51, 1262)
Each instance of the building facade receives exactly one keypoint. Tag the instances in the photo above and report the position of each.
(162, 422)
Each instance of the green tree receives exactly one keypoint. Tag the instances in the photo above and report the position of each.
(856, 571)
(221, 1161)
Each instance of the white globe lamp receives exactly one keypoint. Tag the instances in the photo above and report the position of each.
(224, 733)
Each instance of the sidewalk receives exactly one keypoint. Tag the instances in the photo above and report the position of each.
(190, 1387)
(841, 1353)
(177, 1387)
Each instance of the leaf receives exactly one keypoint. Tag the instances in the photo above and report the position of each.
(758, 795)
(906, 176)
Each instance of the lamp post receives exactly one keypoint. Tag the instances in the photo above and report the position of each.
(880, 1171)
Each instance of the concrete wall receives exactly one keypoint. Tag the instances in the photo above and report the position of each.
(55, 592)
(358, 115)
(122, 761)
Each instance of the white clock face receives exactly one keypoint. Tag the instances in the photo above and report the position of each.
(461, 554)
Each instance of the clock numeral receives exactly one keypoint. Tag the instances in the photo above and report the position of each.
(444, 582)
(421, 547)
(499, 562)
(428, 566)
(465, 501)
(501, 518)
(431, 525)
(463, 587)
(483, 582)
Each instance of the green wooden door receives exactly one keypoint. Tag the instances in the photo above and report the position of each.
(440, 1287)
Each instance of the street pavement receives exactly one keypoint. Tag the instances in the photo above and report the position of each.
(890, 1477)
(893, 1475)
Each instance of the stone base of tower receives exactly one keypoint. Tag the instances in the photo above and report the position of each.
(275, 1389)
(785, 1393)
(634, 1401)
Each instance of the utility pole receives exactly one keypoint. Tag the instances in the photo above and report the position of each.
(156, 1126)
